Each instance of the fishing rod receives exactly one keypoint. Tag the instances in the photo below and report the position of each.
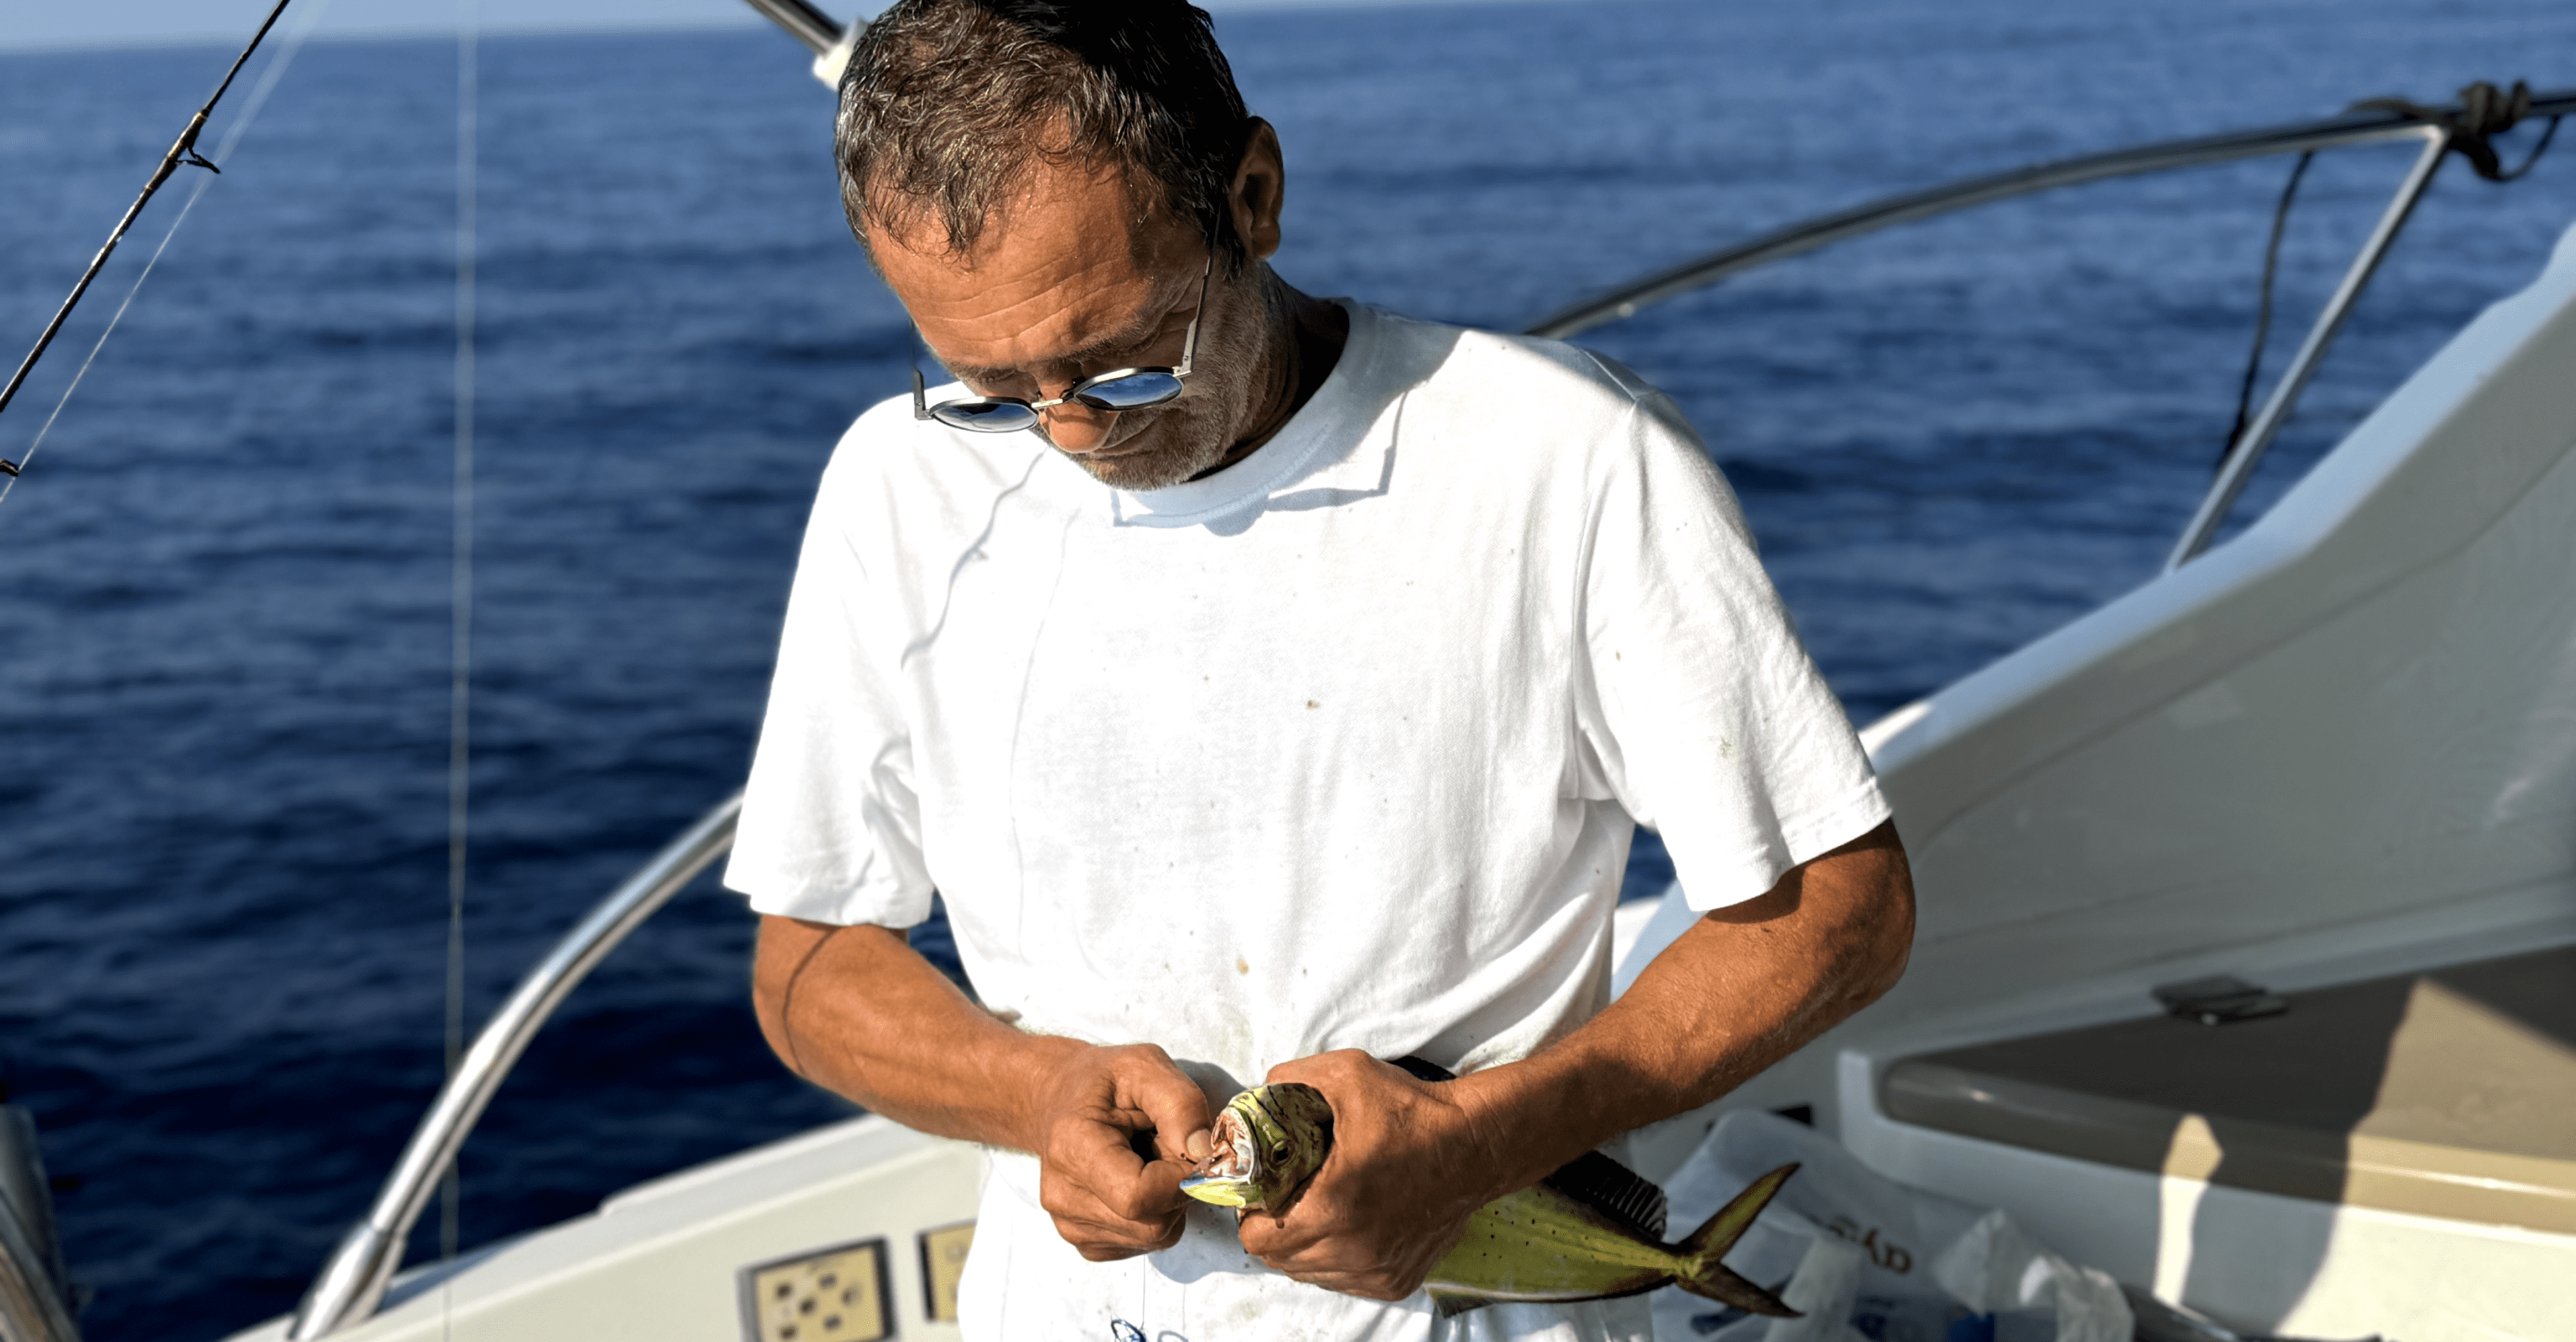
(182, 151)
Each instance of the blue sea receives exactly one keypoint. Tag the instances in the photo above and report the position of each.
(224, 584)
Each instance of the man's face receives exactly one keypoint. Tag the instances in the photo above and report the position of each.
(1067, 282)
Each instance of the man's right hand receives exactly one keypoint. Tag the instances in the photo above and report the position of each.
(856, 1009)
(1096, 1109)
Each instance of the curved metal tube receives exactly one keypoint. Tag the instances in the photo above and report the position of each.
(2247, 451)
(30, 1310)
(354, 1281)
(1780, 244)
(803, 22)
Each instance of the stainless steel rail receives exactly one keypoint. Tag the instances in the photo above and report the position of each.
(2351, 128)
(26, 1194)
(354, 1281)
(30, 1311)
(34, 1293)
(802, 21)
(2247, 450)
(829, 41)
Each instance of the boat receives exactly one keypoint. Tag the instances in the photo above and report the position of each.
(2246, 968)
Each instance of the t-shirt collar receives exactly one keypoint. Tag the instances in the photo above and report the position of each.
(1322, 422)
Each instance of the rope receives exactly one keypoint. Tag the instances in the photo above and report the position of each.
(2536, 151)
(460, 593)
(2485, 112)
(2263, 312)
(269, 76)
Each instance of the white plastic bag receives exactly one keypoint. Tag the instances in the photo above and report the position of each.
(1906, 1264)
(1996, 1269)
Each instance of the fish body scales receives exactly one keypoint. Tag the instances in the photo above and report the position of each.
(1591, 1230)
(1539, 1244)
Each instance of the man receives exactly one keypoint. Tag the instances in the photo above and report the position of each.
(1281, 701)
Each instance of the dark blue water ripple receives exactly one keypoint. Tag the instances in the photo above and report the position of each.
(224, 588)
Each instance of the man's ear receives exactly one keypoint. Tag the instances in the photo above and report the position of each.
(1260, 188)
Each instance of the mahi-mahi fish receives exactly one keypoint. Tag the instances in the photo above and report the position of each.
(1591, 1231)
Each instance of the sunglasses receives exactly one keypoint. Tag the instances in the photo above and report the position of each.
(1117, 390)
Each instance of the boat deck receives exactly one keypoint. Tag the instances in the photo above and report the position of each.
(2446, 1093)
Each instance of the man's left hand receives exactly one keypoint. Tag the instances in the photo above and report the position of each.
(1404, 1174)
(1741, 989)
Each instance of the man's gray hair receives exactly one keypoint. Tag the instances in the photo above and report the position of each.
(947, 103)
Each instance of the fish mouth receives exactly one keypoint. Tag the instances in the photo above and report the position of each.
(1265, 1143)
(1222, 1190)
(1231, 1174)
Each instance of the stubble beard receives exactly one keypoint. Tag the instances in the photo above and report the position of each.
(1188, 450)
(1194, 433)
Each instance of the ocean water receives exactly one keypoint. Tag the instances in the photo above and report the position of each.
(224, 584)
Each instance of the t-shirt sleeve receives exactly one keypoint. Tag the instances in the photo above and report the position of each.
(831, 825)
(1703, 715)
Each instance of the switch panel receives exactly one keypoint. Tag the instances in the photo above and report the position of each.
(943, 1261)
(829, 1295)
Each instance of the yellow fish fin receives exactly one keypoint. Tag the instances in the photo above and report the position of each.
(1703, 1275)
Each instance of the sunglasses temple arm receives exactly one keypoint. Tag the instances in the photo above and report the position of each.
(1190, 341)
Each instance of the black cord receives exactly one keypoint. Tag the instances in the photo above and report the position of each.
(2263, 310)
(2483, 112)
(2534, 156)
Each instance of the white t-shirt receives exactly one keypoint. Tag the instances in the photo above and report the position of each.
(1340, 747)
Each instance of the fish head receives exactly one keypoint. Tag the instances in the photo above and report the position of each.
(1268, 1141)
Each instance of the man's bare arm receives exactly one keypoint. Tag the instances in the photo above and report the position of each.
(857, 1010)
(1744, 987)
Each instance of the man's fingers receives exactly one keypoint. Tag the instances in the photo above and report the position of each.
(1107, 1244)
(1153, 1195)
(1340, 1265)
(1105, 1226)
(1122, 1186)
(1321, 1070)
(1128, 1127)
(1171, 1102)
(1377, 1281)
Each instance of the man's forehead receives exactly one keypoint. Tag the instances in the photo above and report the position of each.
(1068, 263)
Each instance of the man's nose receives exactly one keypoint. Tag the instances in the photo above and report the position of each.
(1075, 427)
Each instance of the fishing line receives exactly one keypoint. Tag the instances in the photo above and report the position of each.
(461, 590)
(257, 98)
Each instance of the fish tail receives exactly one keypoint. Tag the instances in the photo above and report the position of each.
(1703, 1275)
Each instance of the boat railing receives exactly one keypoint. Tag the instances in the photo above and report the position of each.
(37, 1300)
(354, 1281)
(2440, 129)
(804, 22)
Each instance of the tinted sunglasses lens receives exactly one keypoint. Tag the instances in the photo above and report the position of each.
(1132, 392)
(984, 416)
